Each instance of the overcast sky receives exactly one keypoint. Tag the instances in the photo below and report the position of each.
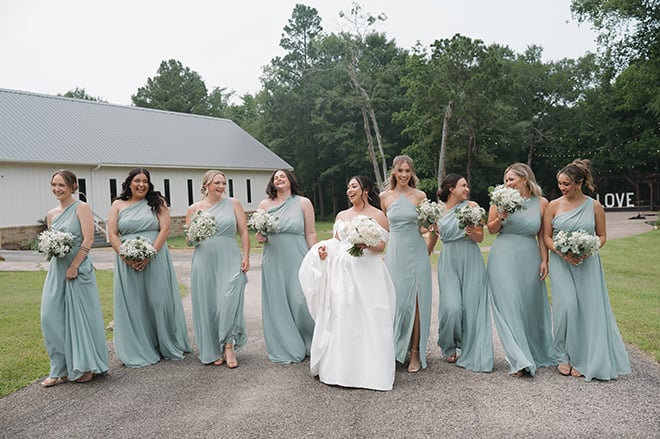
(110, 48)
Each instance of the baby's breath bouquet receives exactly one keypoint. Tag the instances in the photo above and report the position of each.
(428, 212)
(263, 222)
(202, 227)
(579, 243)
(137, 248)
(362, 229)
(506, 199)
(470, 216)
(55, 243)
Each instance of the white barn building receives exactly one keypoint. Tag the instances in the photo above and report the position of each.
(102, 142)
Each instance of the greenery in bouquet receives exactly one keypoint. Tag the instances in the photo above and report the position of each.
(201, 227)
(506, 199)
(54, 243)
(137, 248)
(364, 230)
(263, 222)
(429, 212)
(470, 216)
(579, 243)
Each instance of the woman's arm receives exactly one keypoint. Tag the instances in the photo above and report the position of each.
(495, 220)
(543, 249)
(601, 228)
(241, 227)
(310, 225)
(86, 219)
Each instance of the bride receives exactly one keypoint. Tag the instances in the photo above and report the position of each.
(352, 300)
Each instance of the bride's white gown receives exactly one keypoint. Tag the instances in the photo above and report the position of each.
(352, 301)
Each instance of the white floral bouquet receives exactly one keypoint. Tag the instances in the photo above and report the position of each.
(263, 222)
(137, 248)
(55, 243)
(362, 229)
(429, 212)
(579, 243)
(506, 199)
(201, 227)
(470, 216)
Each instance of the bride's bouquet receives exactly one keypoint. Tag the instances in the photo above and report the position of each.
(137, 248)
(470, 216)
(362, 229)
(55, 243)
(429, 212)
(202, 227)
(263, 222)
(506, 199)
(579, 243)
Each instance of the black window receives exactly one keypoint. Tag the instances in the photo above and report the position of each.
(191, 198)
(249, 191)
(230, 183)
(113, 189)
(82, 189)
(166, 185)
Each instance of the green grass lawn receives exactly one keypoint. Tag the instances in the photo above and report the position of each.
(630, 267)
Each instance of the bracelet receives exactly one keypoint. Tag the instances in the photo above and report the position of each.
(85, 249)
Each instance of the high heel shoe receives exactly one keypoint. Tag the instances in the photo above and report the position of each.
(53, 381)
(232, 362)
(85, 378)
(414, 367)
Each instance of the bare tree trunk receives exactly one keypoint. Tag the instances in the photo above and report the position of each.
(442, 167)
(370, 145)
(379, 139)
(470, 148)
(321, 203)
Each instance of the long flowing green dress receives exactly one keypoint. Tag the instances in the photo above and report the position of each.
(409, 265)
(463, 311)
(585, 332)
(218, 287)
(148, 313)
(288, 326)
(71, 317)
(520, 300)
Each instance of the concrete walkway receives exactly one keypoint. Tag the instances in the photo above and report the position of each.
(265, 400)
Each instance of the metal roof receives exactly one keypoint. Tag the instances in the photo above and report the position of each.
(41, 128)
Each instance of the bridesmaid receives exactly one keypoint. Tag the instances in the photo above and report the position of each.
(463, 311)
(288, 326)
(407, 260)
(587, 340)
(71, 317)
(148, 314)
(517, 268)
(218, 275)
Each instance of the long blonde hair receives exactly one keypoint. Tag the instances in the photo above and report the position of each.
(395, 163)
(525, 172)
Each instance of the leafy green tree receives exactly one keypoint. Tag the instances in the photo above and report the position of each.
(80, 93)
(174, 88)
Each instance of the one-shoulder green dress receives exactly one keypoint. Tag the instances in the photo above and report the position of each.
(288, 326)
(148, 313)
(71, 317)
(218, 287)
(463, 311)
(585, 332)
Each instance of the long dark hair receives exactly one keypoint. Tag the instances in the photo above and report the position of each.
(367, 186)
(154, 198)
(449, 182)
(271, 190)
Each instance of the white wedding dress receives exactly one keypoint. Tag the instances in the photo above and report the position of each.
(352, 301)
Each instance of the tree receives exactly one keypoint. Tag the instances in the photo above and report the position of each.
(80, 93)
(174, 88)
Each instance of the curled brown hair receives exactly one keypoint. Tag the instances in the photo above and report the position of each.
(578, 171)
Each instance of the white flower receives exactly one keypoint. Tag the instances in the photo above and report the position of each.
(55, 243)
(470, 216)
(137, 248)
(202, 227)
(429, 212)
(263, 222)
(579, 243)
(365, 230)
(506, 199)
